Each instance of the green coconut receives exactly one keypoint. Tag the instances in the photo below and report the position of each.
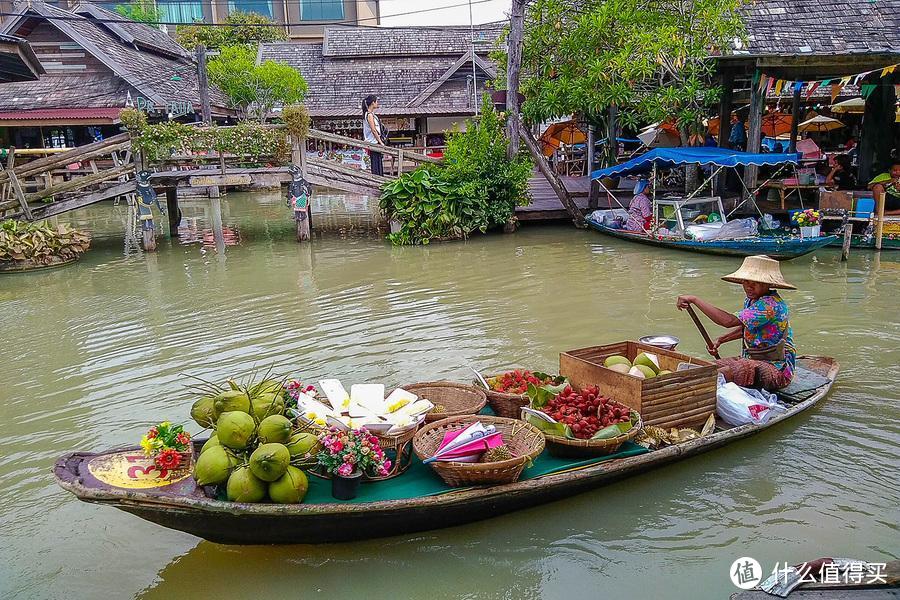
(231, 401)
(274, 429)
(648, 360)
(616, 360)
(620, 368)
(642, 371)
(244, 486)
(290, 488)
(665, 372)
(234, 429)
(212, 441)
(203, 412)
(270, 461)
(266, 405)
(267, 386)
(303, 443)
(213, 466)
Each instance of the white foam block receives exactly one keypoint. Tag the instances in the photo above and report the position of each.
(336, 394)
(368, 395)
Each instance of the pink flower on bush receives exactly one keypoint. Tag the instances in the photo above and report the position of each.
(345, 470)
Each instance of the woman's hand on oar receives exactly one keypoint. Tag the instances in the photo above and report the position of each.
(684, 302)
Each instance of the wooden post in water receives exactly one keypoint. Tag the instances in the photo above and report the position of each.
(298, 157)
(148, 227)
(754, 132)
(173, 210)
(513, 64)
(879, 224)
(848, 235)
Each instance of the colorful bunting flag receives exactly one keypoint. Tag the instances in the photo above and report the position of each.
(836, 90)
(867, 89)
(778, 85)
(888, 70)
(769, 83)
(813, 86)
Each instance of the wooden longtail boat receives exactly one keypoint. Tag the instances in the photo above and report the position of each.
(780, 248)
(184, 507)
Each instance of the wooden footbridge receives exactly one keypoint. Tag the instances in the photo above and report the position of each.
(105, 170)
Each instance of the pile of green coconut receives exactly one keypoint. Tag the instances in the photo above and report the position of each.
(644, 366)
(255, 452)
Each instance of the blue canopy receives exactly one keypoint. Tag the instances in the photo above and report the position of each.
(667, 158)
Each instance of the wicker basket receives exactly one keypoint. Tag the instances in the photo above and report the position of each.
(565, 448)
(524, 441)
(505, 405)
(458, 399)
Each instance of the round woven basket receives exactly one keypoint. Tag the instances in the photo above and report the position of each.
(566, 448)
(458, 399)
(505, 405)
(524, 441)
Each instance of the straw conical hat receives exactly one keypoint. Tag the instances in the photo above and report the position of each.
(761, 269)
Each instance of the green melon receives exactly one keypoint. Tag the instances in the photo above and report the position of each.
(244, 486)
(234, 429)
(642, 371)
(274, 429)
(290, 488)
(270, 461)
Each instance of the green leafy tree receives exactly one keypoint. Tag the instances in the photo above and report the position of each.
(142, 11)
(651, 60)
(244, 29)
(256, 89)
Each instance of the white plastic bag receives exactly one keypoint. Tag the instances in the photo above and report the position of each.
(738, 406)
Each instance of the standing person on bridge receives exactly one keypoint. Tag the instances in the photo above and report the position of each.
(373, 132)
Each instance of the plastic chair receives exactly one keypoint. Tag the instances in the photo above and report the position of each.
(864, 208)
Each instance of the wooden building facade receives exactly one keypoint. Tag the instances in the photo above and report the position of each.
(91, 70)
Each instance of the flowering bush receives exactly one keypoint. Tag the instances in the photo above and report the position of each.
(346, 452)
(166, 442)
(807, 218)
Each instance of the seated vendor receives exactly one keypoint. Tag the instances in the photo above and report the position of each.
(767, 360)
(889, 185)
(841, 175)
(640, 211)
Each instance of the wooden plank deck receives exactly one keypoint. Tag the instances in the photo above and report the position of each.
(545, 205)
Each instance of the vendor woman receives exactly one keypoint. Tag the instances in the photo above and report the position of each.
(768, 357)
(889, 185)
(640, 210)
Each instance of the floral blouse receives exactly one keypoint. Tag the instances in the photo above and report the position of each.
(639, 212)
(766, 323)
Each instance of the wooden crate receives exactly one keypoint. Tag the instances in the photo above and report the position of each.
(679, 399)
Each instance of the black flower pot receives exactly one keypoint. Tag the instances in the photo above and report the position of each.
(346, 488)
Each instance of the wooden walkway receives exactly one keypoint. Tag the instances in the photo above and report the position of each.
(546, 206)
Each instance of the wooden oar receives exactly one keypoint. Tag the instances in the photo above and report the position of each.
(702, 329)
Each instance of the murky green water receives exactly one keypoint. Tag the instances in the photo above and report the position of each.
(93, 353)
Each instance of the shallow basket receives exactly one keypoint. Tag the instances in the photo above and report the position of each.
(458, 398)
(525, 442)
(566, 448)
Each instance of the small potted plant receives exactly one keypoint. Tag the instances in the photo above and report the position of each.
(169, 445)
(809, 222)
(347, 456)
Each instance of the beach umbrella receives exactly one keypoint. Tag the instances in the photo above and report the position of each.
(819, 124)
(566, 132)
(776, 123)
(852, 106)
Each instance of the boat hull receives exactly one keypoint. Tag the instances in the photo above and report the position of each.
(777, 248)
(237, 523)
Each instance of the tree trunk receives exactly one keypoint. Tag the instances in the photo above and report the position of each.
(513, 63)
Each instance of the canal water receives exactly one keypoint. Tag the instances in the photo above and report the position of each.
(94, 353)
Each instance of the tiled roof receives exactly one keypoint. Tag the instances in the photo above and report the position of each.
(160, 78)
(822, 26)
(341, 41)
(131, 32)
(338, 84)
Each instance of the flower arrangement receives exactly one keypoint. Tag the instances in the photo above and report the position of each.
(346, 452)
(807, 218)
(292, 390)
(166, 443)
